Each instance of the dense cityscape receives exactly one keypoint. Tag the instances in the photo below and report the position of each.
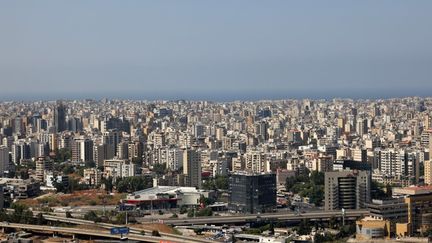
(203, 171)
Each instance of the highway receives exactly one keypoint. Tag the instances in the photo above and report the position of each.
(230, 219)
(135, 233)
(275, 216)
(133, 230)
(75, 231)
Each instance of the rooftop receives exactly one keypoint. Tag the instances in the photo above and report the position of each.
(164, 189)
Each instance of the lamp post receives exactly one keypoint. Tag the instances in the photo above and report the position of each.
(343, 216)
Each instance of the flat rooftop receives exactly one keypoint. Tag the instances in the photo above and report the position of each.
(164, 189)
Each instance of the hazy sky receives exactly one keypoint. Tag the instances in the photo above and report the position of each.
(213, 49)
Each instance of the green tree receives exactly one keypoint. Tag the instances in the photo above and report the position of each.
(317, 178)
(24, 174)
(222, 182)
(63, 154)
(133, 183)
(377, 191)
(108, 183)
(40, 220)
(92, 216)
(304, 227)
(68, 169)
(183, 209)
(21, 214)
(346, 231)
(326, 237)
(333, 222)
(159, 169)
(205, 212)
(90, 164)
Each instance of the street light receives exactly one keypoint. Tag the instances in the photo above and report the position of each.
(343, 216)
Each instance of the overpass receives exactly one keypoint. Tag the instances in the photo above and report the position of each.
(132, 230)
(349, 214)
(86, 232)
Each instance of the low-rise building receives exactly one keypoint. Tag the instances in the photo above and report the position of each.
(393, 210)
(92, 176)
(119, 168)
(19, 188)
(371, 228)
(165, 197)
(51, 179)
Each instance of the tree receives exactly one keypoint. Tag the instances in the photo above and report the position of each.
(316, 195)
(205, 212)
(59, 186)
(68, 169)
(90, 164)
(159, 168)
(133, 183)
(304, 227)
(108, 183)
(333, 222)
(183, 209)
(346, 231)
(217, 183)
(40, 220)
(92, 216)
(317, 178)
(4, 217)
(206, 201)
(308, 186)
(222, 182)
(21, 214)
(326, 237)
(24, 174)
(376, 191)
(63, 154)
(290, 182)
(121, 218)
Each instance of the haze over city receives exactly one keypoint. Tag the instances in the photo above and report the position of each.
(215, 50)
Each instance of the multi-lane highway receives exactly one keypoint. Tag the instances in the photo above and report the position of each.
(234, 219)
(274, 216)
(136, 233)
(133, 230)
(87, 232)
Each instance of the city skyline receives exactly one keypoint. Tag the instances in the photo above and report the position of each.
(216, 121)
(215, 51)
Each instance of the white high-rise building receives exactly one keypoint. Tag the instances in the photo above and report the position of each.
(174, 159)
(255, 162)
(400, 163)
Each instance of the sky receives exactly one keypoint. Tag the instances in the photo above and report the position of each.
(216, 50)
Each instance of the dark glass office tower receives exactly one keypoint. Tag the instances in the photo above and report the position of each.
(60, 118)
(252, 193)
